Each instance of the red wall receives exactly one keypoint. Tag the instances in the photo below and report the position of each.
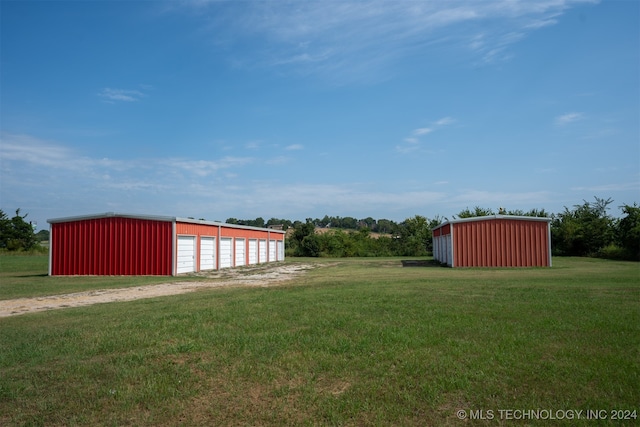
(111, 246)
(501, 243)
(186, 228)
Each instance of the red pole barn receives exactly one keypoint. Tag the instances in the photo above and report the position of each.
(494, 241)
(115, 244)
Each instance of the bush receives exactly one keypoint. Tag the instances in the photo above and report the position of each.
(16, 233)
(613, 251)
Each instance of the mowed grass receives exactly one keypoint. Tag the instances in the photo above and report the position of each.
(353, 342)
(26, 275)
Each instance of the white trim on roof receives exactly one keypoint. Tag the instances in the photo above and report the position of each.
(493, 217)
(224, 224)
(111, 215)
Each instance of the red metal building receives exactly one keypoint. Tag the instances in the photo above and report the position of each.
(120, 244)
(494, 241)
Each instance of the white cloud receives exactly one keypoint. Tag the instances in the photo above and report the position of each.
(311, 197)
(25, 148)
(280, 160)
(123, 95)
(29, 159)
(414, 139)
(445, 121)
(567, 118)
(294, 147)
(624, 186)
(355, 40)
(485, 198)
(404, 149)
(422, 131)
(203, 168)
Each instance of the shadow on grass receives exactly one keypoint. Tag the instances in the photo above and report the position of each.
(421, 263)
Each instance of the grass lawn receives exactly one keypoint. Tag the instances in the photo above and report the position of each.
(353, 342)
(23, 276)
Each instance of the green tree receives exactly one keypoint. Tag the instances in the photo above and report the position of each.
(414, 237)
(297, 242)
(477, 211)
(16, 233)
(540, 213)
(310, 246)
(629, 231)
(368, 222)
(386, 226)
(583, 230)
(42, 235)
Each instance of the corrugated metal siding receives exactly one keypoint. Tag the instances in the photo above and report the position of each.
(501, 243)
(189, 229)
(122, 244)
(442, 249)
(111, 246)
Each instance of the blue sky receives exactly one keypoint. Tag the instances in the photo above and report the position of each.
(215, 109)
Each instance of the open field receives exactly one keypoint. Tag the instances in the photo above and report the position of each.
(351, 342)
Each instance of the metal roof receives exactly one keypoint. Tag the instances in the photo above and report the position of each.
(493, 217)
(156, 218)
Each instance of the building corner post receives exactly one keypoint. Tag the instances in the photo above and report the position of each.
(50, 247)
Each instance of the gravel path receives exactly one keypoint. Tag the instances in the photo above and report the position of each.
(246, 276)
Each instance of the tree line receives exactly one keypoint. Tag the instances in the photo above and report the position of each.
(587, 229)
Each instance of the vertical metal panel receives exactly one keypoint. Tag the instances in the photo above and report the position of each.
(111, 246)
(50, 246)
(501, 242)
(446, 229)
(116, 244)
(442, 249)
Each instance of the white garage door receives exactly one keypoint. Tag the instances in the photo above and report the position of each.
(253, 251)
(186, 254)
(207, 253)
(226, 253)
(241, 257)
(272, 251)
(280, 250)
(262, 251)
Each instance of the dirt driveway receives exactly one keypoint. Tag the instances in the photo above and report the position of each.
(262, 275)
